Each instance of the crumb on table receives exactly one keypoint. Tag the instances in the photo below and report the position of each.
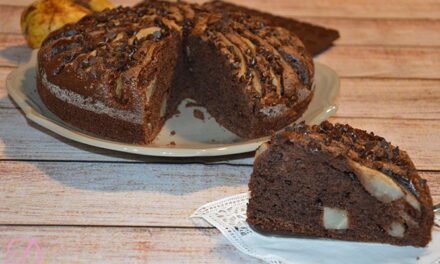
(192, 104)
(199, 114)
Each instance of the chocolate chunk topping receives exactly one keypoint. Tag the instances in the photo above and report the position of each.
(299, 67)
(365, 148)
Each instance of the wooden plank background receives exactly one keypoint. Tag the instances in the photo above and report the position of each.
(94, 205)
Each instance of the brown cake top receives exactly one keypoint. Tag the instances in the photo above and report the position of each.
(104, 54)
(270, 60)
(121, 30)
(367, 149)
(315, 38)
(180, 12)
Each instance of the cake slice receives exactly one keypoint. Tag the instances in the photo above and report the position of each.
(315, 38)
(253, 78)
(334, 181)
(111, 73)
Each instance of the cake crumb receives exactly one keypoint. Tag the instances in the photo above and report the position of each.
(172, 144)
(199, 114)
(192, 104)
(172, 133)
(176, 113)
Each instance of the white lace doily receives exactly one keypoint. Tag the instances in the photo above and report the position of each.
(229, 216)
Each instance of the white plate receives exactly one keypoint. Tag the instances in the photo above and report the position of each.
(193, 137)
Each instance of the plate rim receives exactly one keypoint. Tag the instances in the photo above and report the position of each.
(73, 134)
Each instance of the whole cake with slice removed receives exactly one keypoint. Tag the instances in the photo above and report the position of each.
(121, 73)
(335, 181)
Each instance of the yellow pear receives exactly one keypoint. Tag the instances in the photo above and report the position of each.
(45, 16)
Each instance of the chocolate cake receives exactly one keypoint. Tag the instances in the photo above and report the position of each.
(111, 73)
(121, 73)
(253, 78)
(335, 181)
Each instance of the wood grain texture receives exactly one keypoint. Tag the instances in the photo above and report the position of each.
(59, 193)
(388, 62)
(329, 8)
(433, 179)
(350, 8)
(21, 139)
(384, 32)
(13, 50)
(353, 31)
(389, 98)
(10, 18)
(5, 101)
(123, 245)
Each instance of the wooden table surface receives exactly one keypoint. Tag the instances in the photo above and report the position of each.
(81, 204)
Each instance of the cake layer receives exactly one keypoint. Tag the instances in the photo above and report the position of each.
(94, 120)
(334, 181)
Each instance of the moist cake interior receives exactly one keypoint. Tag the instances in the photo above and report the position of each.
(334, 181)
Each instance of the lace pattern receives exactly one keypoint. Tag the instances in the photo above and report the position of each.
(228, 215)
